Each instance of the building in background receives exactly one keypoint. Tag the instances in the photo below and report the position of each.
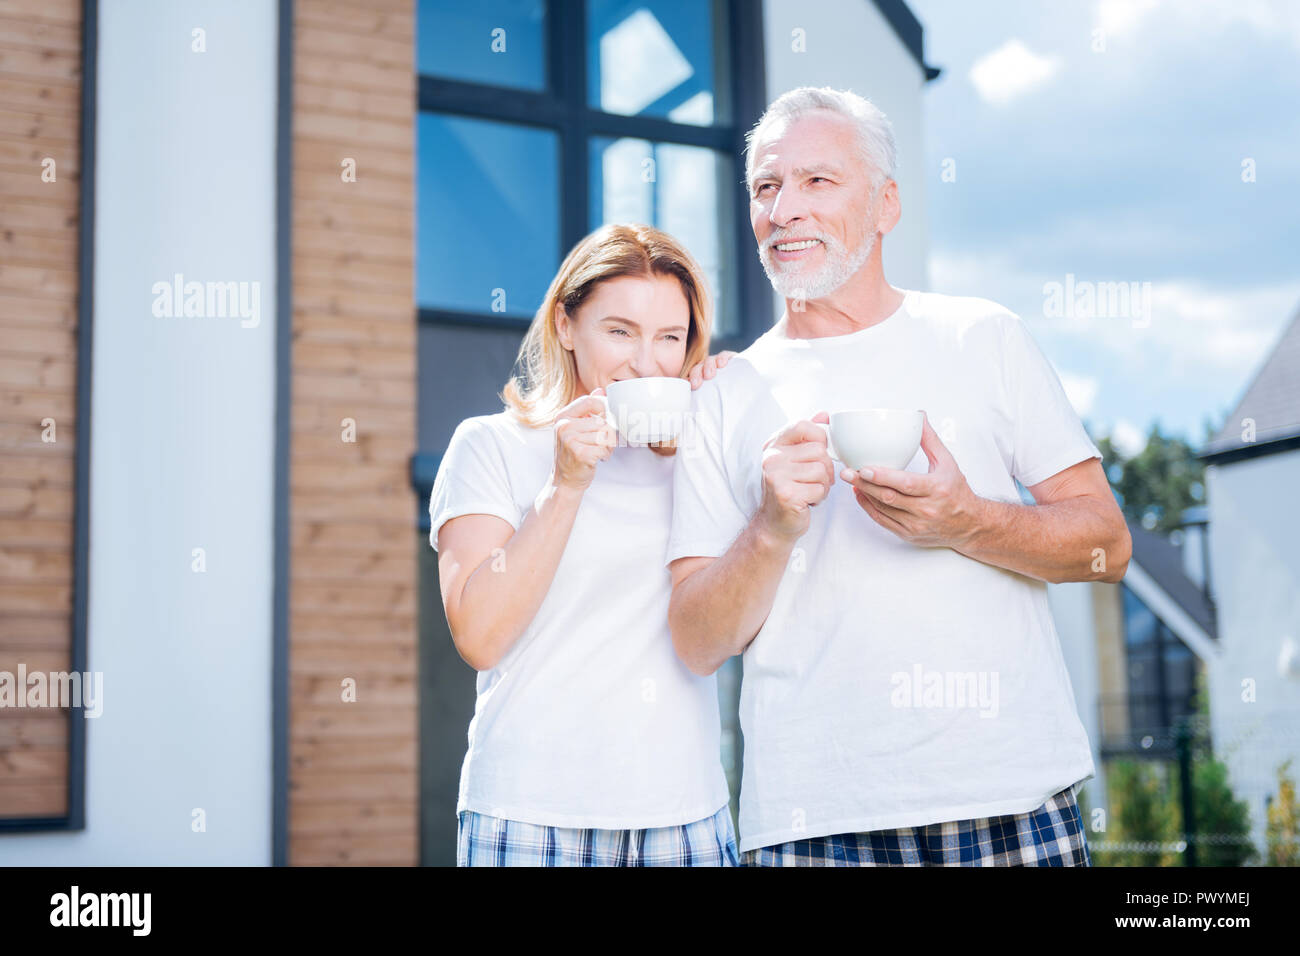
(1252, 477)
(259, 260)
(1216, 604)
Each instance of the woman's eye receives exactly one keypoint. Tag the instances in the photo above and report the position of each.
(619, 331)
(674, 338)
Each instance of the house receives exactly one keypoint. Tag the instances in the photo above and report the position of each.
(212, 499)
(1252, 478)
(1136, 650)
(1218, 600)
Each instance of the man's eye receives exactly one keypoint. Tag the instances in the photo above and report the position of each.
(820, 179)
(759, 190)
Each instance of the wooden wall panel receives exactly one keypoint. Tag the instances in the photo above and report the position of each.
(40, 119)
(353, 785)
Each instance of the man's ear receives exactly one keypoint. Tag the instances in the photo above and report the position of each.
(888, 208)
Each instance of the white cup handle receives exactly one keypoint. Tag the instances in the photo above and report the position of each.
(830, 449)
(609, 414)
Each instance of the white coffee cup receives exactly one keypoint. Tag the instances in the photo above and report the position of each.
(650, 409)
(861, 437)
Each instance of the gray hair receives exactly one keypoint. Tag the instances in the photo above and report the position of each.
(875, 132)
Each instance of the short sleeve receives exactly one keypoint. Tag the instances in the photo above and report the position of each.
(706, 515)
(472, 478)
(1048, 436)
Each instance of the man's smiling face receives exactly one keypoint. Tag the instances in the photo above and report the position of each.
(811, 204)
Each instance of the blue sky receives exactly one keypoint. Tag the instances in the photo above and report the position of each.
(1117, 156)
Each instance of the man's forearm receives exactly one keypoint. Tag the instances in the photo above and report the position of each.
(1076, 539)
(715, 612)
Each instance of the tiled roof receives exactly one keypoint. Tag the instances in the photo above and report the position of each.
(1272, 400)
(1163, 562)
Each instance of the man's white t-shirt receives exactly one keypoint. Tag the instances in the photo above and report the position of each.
(892, 685)
(590, 720)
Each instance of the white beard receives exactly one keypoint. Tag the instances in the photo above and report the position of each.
(839, 267)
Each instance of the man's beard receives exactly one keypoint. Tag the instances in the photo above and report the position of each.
(839, 267)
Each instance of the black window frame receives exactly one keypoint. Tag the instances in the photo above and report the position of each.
(1169, 707)
(562, 108)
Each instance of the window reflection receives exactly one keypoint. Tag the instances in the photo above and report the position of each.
(501, 42)
(675, 188)
(488, 213)
(654, 59)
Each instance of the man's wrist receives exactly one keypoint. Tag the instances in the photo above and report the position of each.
(981, 522)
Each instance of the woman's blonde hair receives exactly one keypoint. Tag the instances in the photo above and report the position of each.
(545, 379)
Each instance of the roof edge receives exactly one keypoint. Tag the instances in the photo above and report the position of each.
(909, 30)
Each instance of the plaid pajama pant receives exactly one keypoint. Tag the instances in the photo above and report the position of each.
(1051, 835)
(483, 840)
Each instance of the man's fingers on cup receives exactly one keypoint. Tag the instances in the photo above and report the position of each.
(904, 482)
(873, 509)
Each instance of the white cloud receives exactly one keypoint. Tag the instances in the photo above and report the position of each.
(1010, 71)
(1128, 439)
(1081, 390)
(1270, 18)
(1122, 17)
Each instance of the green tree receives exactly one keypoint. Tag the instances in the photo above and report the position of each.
(1222, 821)
(1144, 817)
(1158, 484)
(1282, 831)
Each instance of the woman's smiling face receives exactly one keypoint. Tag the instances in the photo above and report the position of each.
(629, 327)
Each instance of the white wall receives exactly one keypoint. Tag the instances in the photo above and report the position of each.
(182, 441)
(849, 45)
(1255, 574)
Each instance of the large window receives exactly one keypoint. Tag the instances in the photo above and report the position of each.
(1161, 672)
(540, 121)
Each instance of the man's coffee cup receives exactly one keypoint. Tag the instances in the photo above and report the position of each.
(862, 437)
(650, 409)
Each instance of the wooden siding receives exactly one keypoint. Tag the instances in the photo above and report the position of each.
(40, 117)
(353, 784)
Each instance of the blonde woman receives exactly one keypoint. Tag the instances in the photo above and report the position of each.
(591, 743)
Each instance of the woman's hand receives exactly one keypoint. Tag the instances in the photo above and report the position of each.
(583, 437)
(708, 368)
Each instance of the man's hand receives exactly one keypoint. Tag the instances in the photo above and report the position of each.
(797, 474)
(934, 510)
(708, 368)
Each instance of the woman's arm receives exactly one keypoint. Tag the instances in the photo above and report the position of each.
(493, 577)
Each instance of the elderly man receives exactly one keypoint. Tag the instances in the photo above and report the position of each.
(904, 699)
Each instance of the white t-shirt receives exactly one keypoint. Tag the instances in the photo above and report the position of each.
(590, 720)
(857, 691)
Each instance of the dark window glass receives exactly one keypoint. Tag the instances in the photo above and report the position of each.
(680, 189)
(499, 42)
(1139, 623)
(488, 213)
(655, 58)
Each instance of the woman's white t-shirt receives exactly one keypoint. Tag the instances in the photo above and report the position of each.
(590, 720)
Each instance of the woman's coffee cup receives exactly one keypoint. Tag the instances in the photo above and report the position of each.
(861, 437)
(650, 409)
